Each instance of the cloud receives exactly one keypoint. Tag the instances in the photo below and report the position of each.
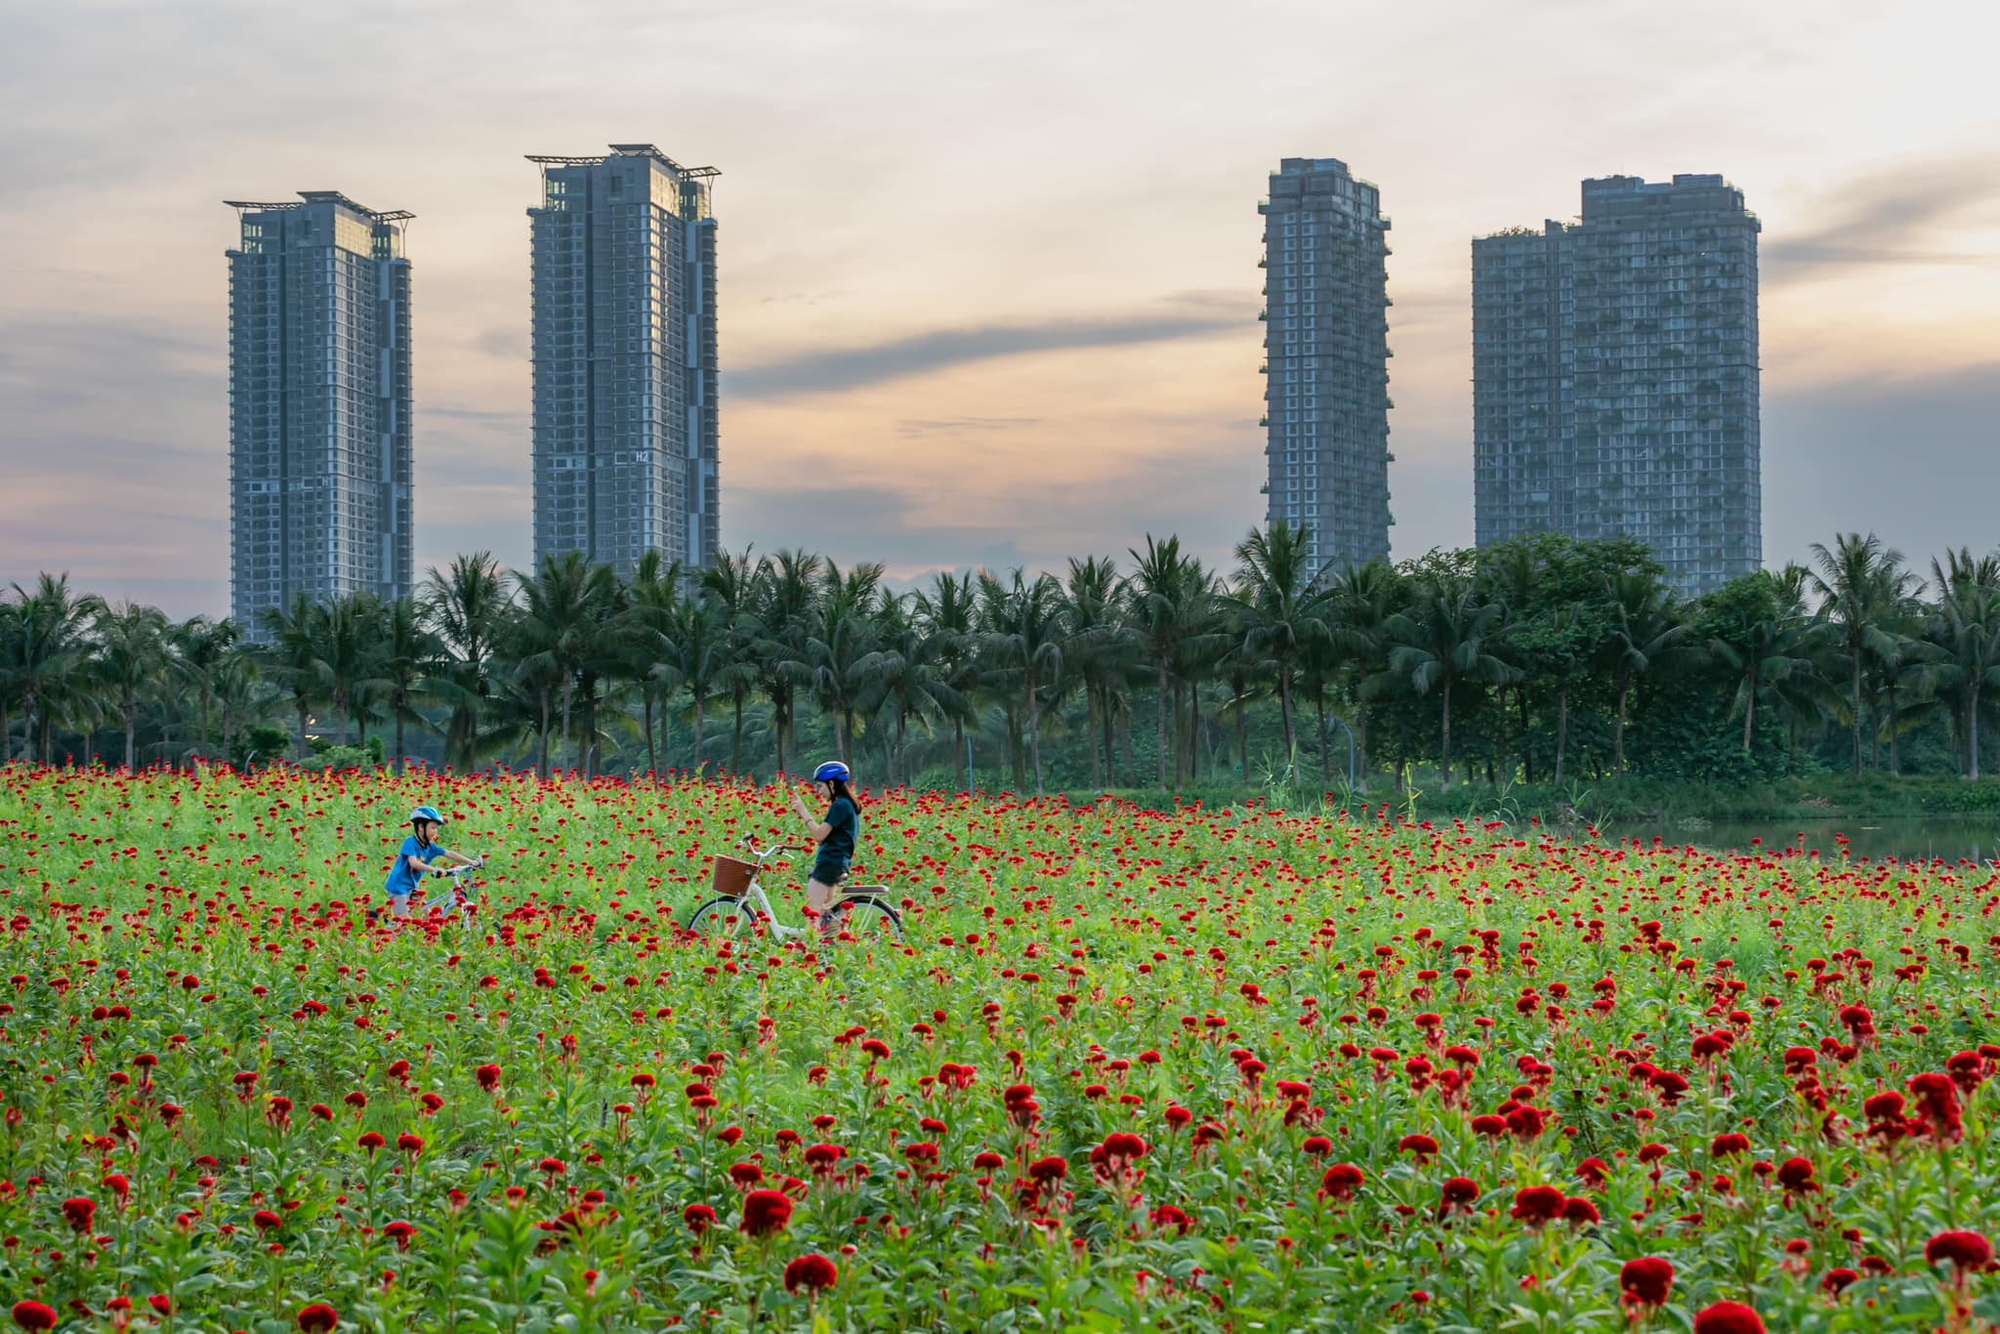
(835, 370)
(1887, 218)
(916, 428)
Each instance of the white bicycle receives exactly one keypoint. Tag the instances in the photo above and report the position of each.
(457, 901)
(739, 905)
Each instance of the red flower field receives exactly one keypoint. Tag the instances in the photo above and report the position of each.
(1203, 1070)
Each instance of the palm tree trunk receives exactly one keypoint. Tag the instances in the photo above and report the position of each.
(1110, 741)
(1857, 710)
(130, 710)
(1325, 747)
(1972, 733)
(1562, 727)
(1527, 749)
(778, 728)
(1090, 707)
(6, 734)
(204, 719)
(1285, 708)
(652, 751)
(736, 737)
(542, 738)
(1749, 707)
(1618, 725)
(1895, 716)
(399, 741)
(1447, 736)
(303, 752)
(1243, 736)
(958, 754)
(1163, 726)
(568, 694)
(700, 713)
(1035, 733)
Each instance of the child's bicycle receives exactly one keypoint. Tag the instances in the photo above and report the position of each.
(457, 901)
(739, 903)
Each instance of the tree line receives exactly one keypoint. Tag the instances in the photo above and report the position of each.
(1541, 659)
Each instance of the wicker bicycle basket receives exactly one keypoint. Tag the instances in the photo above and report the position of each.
(732, 877)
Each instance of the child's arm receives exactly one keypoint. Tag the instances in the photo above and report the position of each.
(443, 855)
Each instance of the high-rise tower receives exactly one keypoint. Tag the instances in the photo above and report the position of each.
(626, 417)
(1326, 343)
(319, 404)
(1615, 377)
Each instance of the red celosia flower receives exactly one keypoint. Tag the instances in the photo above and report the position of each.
(1316, 1146)
(1837, 1281)
(1341, 1181)
(1728, 1318)
(1458, 1196)
(814, 1273)
(371, 1141)
(79, 1213)
(1046, 1170)
(1796, 1175)
(488, 1076)
(1168, 1216)
(765, 1213)
(1423, 1146)
(989, 1161)
(161, 1303)
(34, 1315)
(1647, 1281)
(1536, 1205)
(553, 1167)
(265, 1220)
(401, 1233)
(410, 1144)
(1728, 1144)
(319, 1318)
(1580, 1212)
(699, 1218)
(1969, 1252)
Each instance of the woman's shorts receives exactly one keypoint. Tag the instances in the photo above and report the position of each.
(829, 873)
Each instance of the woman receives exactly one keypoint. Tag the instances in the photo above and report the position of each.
(835, 835)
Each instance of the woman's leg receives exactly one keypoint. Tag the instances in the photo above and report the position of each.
(819, 896)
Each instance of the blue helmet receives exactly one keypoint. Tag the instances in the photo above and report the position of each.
(833, 771)
(426, 813)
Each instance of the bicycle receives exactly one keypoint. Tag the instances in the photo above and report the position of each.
(739, 904)
(456, 902)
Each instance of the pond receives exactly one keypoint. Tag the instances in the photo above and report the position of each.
(1908, 839)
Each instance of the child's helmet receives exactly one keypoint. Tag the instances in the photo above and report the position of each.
(426, 813)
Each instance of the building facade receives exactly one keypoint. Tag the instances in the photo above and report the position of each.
(1326, 345)
(319, 405)
(1615, 377)
(626, 423)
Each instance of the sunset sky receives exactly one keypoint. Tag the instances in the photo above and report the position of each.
(987, 271)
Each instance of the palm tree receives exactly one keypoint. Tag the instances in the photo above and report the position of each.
(1445, 640)
(787, 600)
(945, 616)
(1965, 628)
(293, 659)
(1280, 603)
(130, 660)
(698, 659)
(1361, 600)
(48, 645)
(408, 658)
(1027, 639)
(1099, 650)
(730, 587)
(841, 641)
(1645, 626)
(1169, 600)
(1757, 628)
(10, 674)
(465, 608)
(654, 606)
(347, 636)
(1860, 582)
(200, 648)
(566, 606)
(908, 671)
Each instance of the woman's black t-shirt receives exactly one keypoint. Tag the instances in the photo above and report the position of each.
(843, 825)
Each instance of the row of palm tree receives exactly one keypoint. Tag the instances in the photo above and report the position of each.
(1540, 654)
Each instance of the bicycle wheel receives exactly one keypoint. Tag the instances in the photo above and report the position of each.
(721, 917)
(867, 920)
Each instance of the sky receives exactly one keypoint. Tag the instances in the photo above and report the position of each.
(988, 271)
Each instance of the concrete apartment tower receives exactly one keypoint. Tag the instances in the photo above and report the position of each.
(1615, 378)
(626, 420)
(319, 405)
(1326, 343)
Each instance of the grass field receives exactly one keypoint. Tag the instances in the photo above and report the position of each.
(1216, 1069)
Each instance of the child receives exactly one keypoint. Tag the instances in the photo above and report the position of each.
(421, 853)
